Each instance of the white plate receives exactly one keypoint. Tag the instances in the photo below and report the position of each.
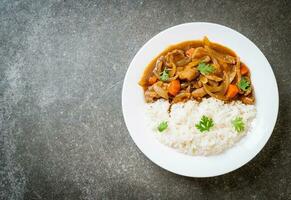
(266, 92)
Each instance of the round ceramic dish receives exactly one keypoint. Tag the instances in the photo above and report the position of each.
(266, 93)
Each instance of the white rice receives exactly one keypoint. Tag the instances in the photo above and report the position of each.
(182, 134)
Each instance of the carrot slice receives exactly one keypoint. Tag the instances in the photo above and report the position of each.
(243, 69)
(232, 91)
(152, 80)
(190, 51)
(174, 87)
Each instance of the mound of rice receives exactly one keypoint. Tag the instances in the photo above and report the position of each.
(182, 134)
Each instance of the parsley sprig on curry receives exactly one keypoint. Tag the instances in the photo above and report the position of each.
(196, 70)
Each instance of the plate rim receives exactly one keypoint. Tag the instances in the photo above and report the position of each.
(276, 98)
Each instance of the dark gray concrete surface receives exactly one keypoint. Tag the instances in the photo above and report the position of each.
(62, 65)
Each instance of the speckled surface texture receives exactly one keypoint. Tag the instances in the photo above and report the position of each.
(62, 65)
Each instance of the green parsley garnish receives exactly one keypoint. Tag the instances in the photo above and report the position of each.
(238, 124)
(205, 69)
(162, 126)
(243, 84)
(165, 75)
(205, 124)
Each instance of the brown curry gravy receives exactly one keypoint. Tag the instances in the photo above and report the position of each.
(183, 46)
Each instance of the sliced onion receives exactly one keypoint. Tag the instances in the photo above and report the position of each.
(217, 96)
(213, 83)
(205, 59)
(237, 69)
(170, 61)
(183, 62)
(232, 75)
(226, 82)
(181, 97)
(203, 79)
(206, 41)
(198, 53)
(214, 78)
(222, 88)
(214, 60)
(199, 93)
(172, 78)
(173, 69)
(193, 63)
(219, 88)
(216, 64)
(219, 56)
(160, 91)
(158, 68)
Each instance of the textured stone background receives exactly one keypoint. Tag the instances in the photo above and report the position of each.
(62, 64)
